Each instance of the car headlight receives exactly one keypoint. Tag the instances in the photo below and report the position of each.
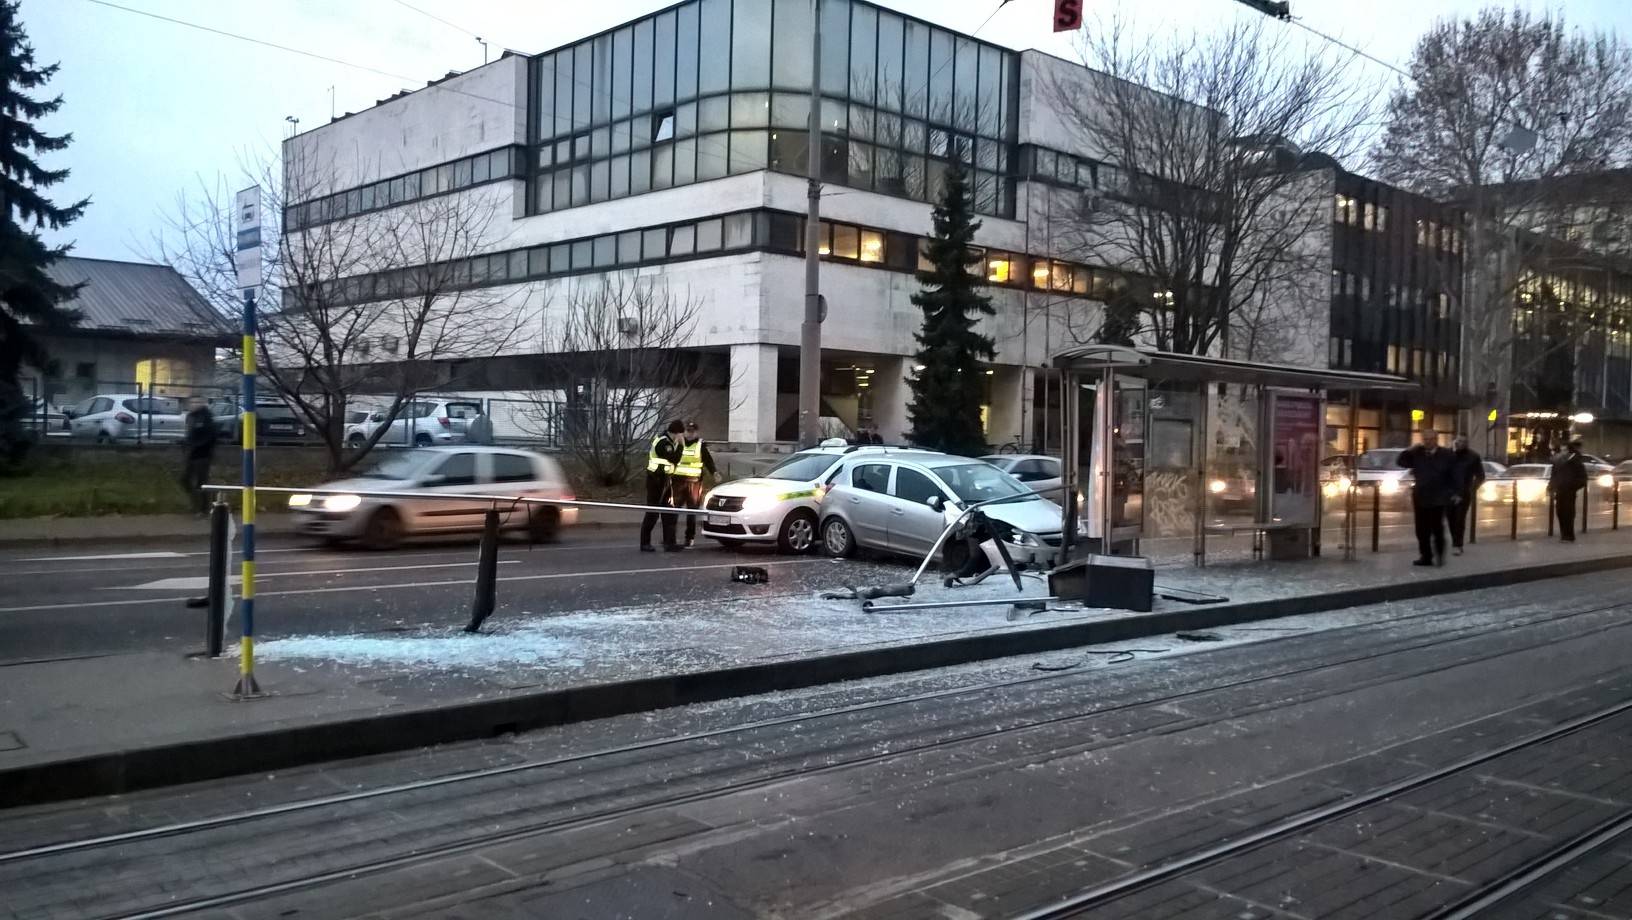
(299, 501)
(759, 502)
(1531, 489)
(341, 502)
(1606, 480)
(1488, 491)
(1389, 486)
(1344, 483)
(1217, 486)
(1021, 538)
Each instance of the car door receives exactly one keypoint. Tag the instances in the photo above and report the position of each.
(915, 524)
(516, 474)
(867, 503)
(83, 424)
(461, 473)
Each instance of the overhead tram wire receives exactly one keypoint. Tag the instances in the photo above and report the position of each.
(426, 13)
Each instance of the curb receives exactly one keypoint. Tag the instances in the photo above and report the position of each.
(385, 732)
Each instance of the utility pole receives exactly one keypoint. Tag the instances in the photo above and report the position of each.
(810, 332)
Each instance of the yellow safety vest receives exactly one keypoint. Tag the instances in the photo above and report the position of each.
(691, 461)
(654, 463)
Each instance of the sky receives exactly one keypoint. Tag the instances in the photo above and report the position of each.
(159, 110)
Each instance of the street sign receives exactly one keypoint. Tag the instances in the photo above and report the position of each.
(1067, 15)
(247, 221)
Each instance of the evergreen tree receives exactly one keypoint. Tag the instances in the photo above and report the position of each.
(27, 293)
(947, 391)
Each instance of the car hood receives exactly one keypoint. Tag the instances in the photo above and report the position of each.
(365, 484)
(1038, 516)
(759, 486)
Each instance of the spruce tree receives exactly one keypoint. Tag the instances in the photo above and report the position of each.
(947, 389)
(28, 296)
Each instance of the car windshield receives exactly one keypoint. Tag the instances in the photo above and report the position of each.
(1385, 459)
(399, 466)
(979, 482)
(801, 467)
(1529, 471)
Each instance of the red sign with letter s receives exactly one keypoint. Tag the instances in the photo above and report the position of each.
(1067, 15)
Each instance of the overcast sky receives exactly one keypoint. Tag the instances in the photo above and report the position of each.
(157, 108)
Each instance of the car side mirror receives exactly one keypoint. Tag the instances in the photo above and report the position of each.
(934, 501)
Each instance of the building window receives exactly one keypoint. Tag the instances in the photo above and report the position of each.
(1369, 220)
(663, 126)
(872, 246)
(846, 241)
(998, 268)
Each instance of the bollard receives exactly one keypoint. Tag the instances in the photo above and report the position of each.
(1473, 524)
(1551, 512)
(1615, 505)
(1376, 513)
(1586, 502)
(215, 610)
(1513, 496)
(487, 572)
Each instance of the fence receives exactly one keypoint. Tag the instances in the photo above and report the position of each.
(152, 411)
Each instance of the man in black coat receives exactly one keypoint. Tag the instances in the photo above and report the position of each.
(1433, 475)
(1469, 469)
(1568, 478)
(199, 442)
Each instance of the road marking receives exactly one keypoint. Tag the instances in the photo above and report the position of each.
(196, 582)
(104, 556)
(413, 584)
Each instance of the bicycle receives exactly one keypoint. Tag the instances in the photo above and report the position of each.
(1015, 446)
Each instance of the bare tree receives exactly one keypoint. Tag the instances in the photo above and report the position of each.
(1200, 194)
(618, 351)
(1502, 109)
(379, 303)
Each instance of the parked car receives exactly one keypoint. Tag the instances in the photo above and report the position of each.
(383, 522)
(424, 422)
(900, 503)
(127, 416)
(1039, 473)
(275, 420)
(360, 423)
(46, 418)
(782, 506)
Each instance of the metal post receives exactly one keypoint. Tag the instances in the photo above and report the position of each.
(1202, 442)
(1586, 505)
(1353, 475)
(247, 688)
(810, 332)
(1513, 495)
(1473, 522)
(215, 607)
(1376, 511)
(1070, 460)
(1551, 512)
(487, 572)
(1615, 505)
(1107, 495)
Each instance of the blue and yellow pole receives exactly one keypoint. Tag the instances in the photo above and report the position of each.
(247, 687)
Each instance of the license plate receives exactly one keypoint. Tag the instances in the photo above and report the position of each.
(721, 519)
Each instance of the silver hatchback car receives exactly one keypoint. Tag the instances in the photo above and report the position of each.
(901, 505)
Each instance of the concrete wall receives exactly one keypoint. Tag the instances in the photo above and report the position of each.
(479, 110)
(115, 366)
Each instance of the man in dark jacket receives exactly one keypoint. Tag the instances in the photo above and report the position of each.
(661, 461)
(1568, 478)
(199, 444)
(1469, 472)
(1432, 490)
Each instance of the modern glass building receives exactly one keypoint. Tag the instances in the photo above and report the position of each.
(673, 149)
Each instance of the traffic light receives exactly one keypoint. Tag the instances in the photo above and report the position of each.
(1279, 9)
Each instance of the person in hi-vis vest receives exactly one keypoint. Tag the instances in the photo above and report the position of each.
(688, 477)
(661, 461)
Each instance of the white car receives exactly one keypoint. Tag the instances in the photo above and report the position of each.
(781, 506)
(127, 416)
(420, 423)
(448, 472)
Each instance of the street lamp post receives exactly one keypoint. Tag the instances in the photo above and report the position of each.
(810, 332)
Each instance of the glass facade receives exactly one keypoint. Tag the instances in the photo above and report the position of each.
(452, 176)
(713, 88)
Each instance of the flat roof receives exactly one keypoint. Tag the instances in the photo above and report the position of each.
(1172, 366)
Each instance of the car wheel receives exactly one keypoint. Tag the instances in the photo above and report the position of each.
(384, 529)
(544, 525)
(102, 437)
(797, 534)
(356, 441)
(837, 541)
(422, 440)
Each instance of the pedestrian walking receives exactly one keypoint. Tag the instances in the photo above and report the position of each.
(1469, 474)
(1569, 477)
(688, 476)
(480, 430)
(1433, 487)
(661, 461)
(199, 443)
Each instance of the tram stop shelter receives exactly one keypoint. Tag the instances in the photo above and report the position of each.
(1165, 445)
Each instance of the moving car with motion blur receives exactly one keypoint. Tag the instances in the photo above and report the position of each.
(901, 502)
(447, 473)
(1527, 482)
(780, 506)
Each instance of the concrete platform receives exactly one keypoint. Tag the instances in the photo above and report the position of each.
(71, 728)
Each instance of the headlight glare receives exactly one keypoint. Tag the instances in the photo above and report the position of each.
(341, 502)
